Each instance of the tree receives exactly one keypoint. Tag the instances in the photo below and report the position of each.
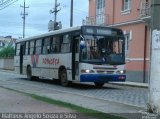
(7, 52)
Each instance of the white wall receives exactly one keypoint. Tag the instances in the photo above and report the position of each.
(7, 63)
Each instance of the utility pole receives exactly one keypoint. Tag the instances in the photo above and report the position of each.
(24, 14)
(55, 11)
(154, 85)
(71, 14)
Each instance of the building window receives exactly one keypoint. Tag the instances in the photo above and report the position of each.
(100, 14)
(100, 4)
(126, 44)
(128, 38)
(126, 6)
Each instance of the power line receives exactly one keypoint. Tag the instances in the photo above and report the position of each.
(6, 3)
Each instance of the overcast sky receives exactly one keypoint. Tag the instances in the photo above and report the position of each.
(11, 22)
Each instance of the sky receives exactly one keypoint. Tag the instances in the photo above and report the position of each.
(11, 22)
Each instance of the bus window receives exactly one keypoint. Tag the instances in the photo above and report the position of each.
(55, 44)
(46, 46)
(65, 46)
(17, 49)
(32, 47)
(38, 46)
(77, 39)
(27, 48)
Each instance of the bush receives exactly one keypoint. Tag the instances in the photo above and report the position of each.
(7, 52)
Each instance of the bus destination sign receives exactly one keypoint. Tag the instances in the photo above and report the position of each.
(98, 31)
(104, 31)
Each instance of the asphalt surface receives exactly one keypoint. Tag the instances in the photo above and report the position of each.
(121, 100)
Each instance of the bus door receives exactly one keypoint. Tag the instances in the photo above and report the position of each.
(21, 57)
(75, 57)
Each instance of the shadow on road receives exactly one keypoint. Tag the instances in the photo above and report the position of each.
(73, 85)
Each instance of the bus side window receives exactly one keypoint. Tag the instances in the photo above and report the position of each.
(55, 44)
(27, 48)
(46, 46)
(38, 46)
(32, 47)
(65, 46)
(18, 49)
(77, 38)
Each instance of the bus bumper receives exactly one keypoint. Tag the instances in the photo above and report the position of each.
(101, 78)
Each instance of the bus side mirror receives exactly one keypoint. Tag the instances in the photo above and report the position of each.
(82, 44)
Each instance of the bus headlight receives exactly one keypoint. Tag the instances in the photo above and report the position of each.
(87, 71)
(121, 72)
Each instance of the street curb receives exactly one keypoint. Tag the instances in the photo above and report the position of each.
(10, 71)
(131, 84)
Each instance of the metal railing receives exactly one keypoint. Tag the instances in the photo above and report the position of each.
(145, 9)
(100, 19)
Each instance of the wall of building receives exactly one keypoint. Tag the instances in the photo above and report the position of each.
(123, 16)
(7, 63)
(137, 65)
(135, 58)
(92, 9)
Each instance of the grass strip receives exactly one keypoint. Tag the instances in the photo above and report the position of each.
(78, 109)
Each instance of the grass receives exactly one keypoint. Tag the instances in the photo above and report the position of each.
(78, 109)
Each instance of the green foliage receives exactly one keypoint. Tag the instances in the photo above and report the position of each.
(7, 52)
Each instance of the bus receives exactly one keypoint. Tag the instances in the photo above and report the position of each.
(77, 54)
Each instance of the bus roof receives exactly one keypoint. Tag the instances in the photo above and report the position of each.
(51, 33)
(61, 31)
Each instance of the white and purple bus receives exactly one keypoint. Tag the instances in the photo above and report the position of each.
(77, 54)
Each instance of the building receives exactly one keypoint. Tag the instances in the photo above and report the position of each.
(133, 17)
(7, 41)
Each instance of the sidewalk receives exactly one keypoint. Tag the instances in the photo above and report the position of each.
(18, 105)
(133, 84)
(14, 102)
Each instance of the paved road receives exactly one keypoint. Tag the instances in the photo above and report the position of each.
(126, 95)
(110, 99)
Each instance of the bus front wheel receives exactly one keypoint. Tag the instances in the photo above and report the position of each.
(98, 84)
(63, 78)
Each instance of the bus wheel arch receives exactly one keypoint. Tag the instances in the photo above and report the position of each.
(63, 76)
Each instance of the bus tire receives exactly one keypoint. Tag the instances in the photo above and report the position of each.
(29, 73)
(63, 78)
(98, 84)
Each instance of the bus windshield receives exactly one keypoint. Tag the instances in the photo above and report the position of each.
(102, 49)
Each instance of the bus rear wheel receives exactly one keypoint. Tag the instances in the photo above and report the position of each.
(98, 84)
(63, 78)
(29, 73)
